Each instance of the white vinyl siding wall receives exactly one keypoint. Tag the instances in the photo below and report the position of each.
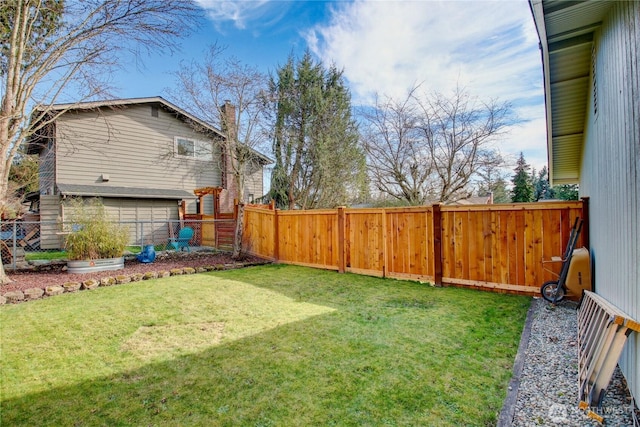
(131, 146)
(610, 173)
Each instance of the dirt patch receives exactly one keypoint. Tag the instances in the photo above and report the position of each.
(55, 274)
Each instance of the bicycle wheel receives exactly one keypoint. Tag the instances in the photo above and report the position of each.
(552, 291)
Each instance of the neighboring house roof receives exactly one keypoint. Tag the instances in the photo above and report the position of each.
(126, 192)
(566, 32)
(32, 145)
(476, 200)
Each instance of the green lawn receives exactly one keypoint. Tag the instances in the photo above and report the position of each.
(264, 346)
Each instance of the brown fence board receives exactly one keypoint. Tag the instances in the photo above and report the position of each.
(502, 253)
(552, 240)
(409, 243)
(499, 247)
(309, 239)
(365, 234)
(259, 237)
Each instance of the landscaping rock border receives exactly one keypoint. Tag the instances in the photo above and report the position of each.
(31, 294)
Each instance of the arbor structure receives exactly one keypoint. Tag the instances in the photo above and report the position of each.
(522, 190)
(319, 162)
(229, 94)
(55, 51)
(428, 148)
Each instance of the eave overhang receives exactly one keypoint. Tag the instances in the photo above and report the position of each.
(566, 31)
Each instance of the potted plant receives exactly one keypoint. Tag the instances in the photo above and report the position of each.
(93, 242)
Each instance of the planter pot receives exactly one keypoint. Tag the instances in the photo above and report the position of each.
(93, 265)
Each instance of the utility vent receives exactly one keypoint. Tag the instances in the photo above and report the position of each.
(154, 111)
(602, 332)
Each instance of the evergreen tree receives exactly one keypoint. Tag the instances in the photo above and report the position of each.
(542, 188)
(499, 189)
(319, 162)
(522, 190)
(566, 191)
(491, 178)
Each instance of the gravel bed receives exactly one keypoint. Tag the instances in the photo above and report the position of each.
(548, 390)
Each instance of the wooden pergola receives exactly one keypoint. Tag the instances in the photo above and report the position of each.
(205, 191)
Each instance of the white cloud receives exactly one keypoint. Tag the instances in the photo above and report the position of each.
(237, 12)
(488, 47)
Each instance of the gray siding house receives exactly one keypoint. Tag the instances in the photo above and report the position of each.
(591, 63)
(144, 157)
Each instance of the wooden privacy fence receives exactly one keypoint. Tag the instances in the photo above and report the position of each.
(489, 246)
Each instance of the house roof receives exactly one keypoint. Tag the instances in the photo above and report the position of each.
(474, 200)
(565, 29)
(125, 192)
(158, 100)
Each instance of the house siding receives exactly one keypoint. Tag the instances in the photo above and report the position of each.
(146, 219)
(47, 170)
(132, 147)
(610, 172)
(50, 213)
(253, 183)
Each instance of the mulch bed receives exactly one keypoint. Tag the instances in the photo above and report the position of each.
(55, 273)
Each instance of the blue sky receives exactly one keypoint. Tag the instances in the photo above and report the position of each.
(488, 47)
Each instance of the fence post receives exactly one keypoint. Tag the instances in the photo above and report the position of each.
(276, 236)
(341, 233)
(385, 247)
(437, 244)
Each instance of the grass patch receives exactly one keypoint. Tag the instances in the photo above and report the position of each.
(45, 255)
(269, 345)
(151, 341)
(50, 254)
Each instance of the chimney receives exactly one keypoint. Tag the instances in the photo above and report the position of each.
(228, 121)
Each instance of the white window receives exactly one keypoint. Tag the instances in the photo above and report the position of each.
(193, 149)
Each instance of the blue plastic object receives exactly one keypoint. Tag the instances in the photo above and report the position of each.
(182, 241)
(147, 255)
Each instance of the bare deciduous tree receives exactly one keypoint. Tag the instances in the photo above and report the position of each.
(54, 50)
(395, 151)
(227, 93)
(428, 148)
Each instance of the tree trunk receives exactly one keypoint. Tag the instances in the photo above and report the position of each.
(4, 279)
(237, 238)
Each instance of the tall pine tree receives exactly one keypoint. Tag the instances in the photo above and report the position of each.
(319, 162)
(522, 190)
